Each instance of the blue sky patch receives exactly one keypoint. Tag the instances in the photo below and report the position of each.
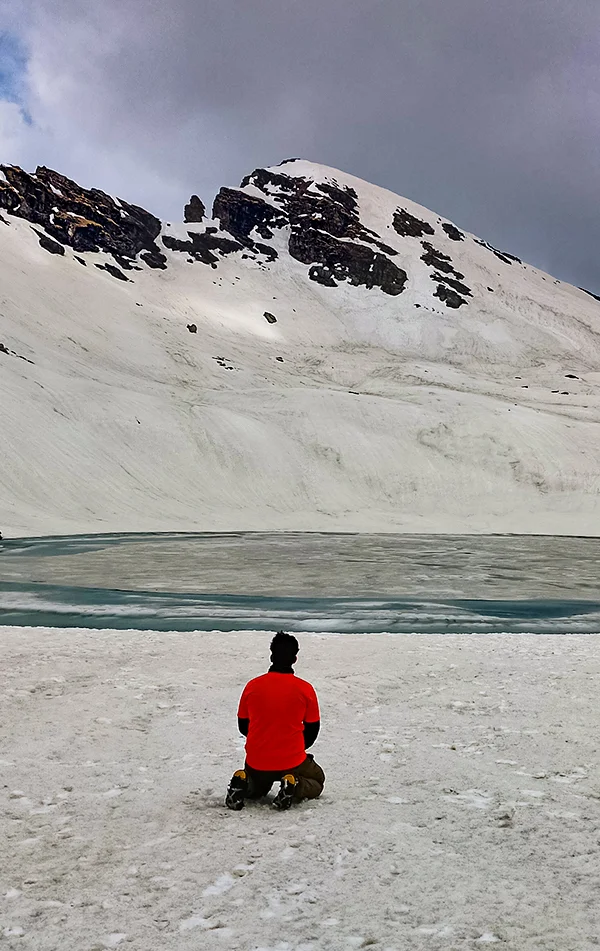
(13, 64)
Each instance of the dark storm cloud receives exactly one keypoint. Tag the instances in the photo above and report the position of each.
(483, 110)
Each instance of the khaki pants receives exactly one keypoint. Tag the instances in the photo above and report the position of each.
(309, 776)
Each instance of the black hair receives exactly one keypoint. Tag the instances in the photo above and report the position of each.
(284, 648)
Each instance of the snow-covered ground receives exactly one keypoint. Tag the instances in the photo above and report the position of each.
(461, 810)
(355, 411)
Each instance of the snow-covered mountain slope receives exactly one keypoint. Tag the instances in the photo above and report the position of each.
(320, 355)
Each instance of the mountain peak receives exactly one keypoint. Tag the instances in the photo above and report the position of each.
(319, 353)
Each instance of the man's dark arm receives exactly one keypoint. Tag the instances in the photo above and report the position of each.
(311, 732)
(243, 724)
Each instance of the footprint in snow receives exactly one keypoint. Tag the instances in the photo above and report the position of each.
(13, 893)
(207, 924)
(474, 799)
(223, 884)
(112, 940)
(504, 815)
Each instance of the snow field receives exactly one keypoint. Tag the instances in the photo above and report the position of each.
(461, 809)
(356, 411)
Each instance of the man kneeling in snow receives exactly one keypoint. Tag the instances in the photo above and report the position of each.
(279, 715)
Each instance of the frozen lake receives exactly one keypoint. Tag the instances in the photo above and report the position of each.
(312, 582)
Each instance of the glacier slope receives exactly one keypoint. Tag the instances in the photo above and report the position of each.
(379, 415)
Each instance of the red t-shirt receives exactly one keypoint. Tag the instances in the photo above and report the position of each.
(278, 706)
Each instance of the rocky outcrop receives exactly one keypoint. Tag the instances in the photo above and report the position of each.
(113, 270)
(458, 286)
(435, 258)
(320, 221)
(194, 211)
(325, 230)
(408, 226)
(207, 246)
(449, 286)
(81, 218)
(240, 214)
(453, 233)
(201, 246)
(48, 244)
(448, 296)
(344, 261)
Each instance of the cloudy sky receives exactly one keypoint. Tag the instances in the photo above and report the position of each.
(485, 111)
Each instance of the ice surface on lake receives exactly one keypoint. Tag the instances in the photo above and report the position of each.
(323, 583)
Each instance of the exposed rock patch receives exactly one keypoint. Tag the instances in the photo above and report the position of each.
(458, 286)
(113, 270)
(448, 288)
(321, 274)
(453, 233)
(502, 255)
(449, 296)
(325, 228)
(84, 219)
(408, 226)
(194, 211)
(203, 246)
(355, 263)
(270, 318)
(155, 259)
(13, 353)
(595, 296)
(240, 214)
(48, 244)
(437, 259)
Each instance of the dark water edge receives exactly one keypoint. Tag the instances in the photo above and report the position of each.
(40, 605)
(320, 582)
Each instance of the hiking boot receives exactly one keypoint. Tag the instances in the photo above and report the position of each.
(287, 791)
(237, 790)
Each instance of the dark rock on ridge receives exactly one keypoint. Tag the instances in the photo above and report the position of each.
(155, 259)
(434, 258)
(325, 230)
(202, 246)
(194, 211)
(345, 261)
(113, 270)
(13, 353)
(408, 225)
(318, 215)
(502, 255)
(449, 296)
(84, 219)
(448, 288)
(48, 244)
(453, 232)
(321, 274)
(239, 214)
(451, 282)
(595, 296)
